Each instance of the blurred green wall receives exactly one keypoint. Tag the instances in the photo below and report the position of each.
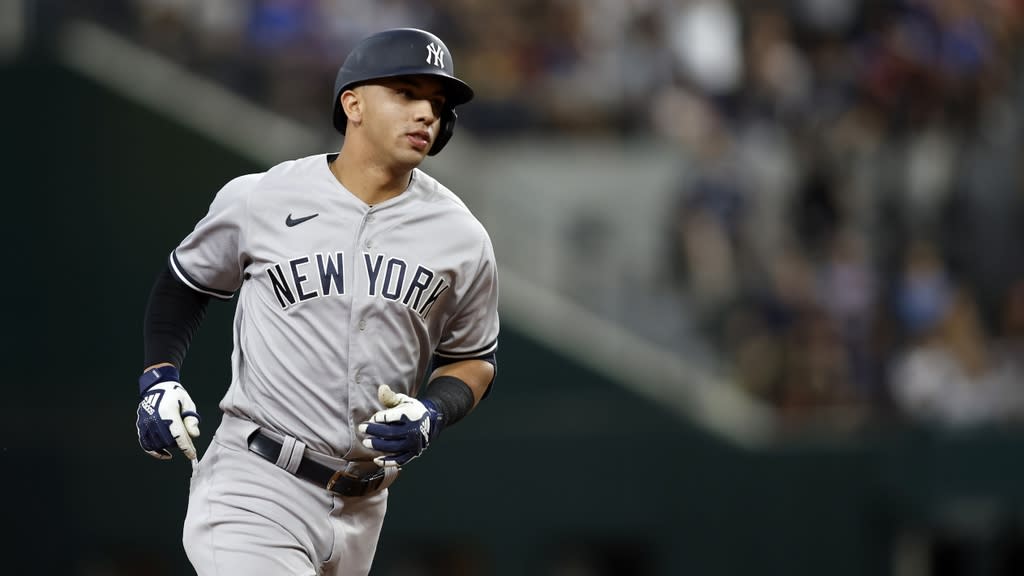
(560, 469)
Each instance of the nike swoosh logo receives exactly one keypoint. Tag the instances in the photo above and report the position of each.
(289, 221)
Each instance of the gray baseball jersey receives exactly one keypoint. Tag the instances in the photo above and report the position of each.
(336, 297)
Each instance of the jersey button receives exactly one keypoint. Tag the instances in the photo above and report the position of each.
(362, 324)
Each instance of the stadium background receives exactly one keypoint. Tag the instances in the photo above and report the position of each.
(773, 275)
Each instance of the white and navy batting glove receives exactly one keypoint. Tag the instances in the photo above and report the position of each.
(167, 415)
(403, 430)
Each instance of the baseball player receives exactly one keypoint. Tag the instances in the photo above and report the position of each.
(366, 324)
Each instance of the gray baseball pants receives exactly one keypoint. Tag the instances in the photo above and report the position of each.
(248, 517)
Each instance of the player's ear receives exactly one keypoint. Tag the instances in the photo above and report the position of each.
(352, 105)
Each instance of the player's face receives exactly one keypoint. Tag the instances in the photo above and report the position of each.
(402, 116)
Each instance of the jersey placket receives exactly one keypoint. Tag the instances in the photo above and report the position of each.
(362, 305)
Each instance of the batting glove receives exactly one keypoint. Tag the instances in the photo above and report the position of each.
(403, 430)
(167, 415)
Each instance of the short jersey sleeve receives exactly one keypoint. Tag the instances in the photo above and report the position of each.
(473, 330)
(210, 259)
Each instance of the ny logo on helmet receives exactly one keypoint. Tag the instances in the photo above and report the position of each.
(435, 53)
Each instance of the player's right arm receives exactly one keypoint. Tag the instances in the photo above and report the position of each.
(204, 265)
(167, 415)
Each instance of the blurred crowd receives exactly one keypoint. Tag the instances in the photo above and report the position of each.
(852, 230)
(849, 228)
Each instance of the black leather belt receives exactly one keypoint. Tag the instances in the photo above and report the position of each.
(337, 481)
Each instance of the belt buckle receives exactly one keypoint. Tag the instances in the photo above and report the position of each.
(352, 479)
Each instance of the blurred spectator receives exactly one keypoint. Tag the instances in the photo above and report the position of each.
(704, 36)
(709, 224)
(948, 374)
(1008, 350)
(847, 289)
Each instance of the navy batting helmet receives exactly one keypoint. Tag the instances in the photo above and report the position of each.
(403, 52)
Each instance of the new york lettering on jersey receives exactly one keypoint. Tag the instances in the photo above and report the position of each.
(322, 274)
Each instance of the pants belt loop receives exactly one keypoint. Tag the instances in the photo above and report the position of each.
(390, 475)
(291, 454)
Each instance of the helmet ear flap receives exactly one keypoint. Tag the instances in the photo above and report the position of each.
(445, 131)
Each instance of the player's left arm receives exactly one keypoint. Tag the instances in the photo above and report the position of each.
(464, 368)
(407, 425)
(476, 374)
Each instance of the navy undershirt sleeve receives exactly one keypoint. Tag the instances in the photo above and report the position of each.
(173, 315)
(491, 358)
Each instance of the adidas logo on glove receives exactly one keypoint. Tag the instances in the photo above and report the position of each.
(150, 401)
